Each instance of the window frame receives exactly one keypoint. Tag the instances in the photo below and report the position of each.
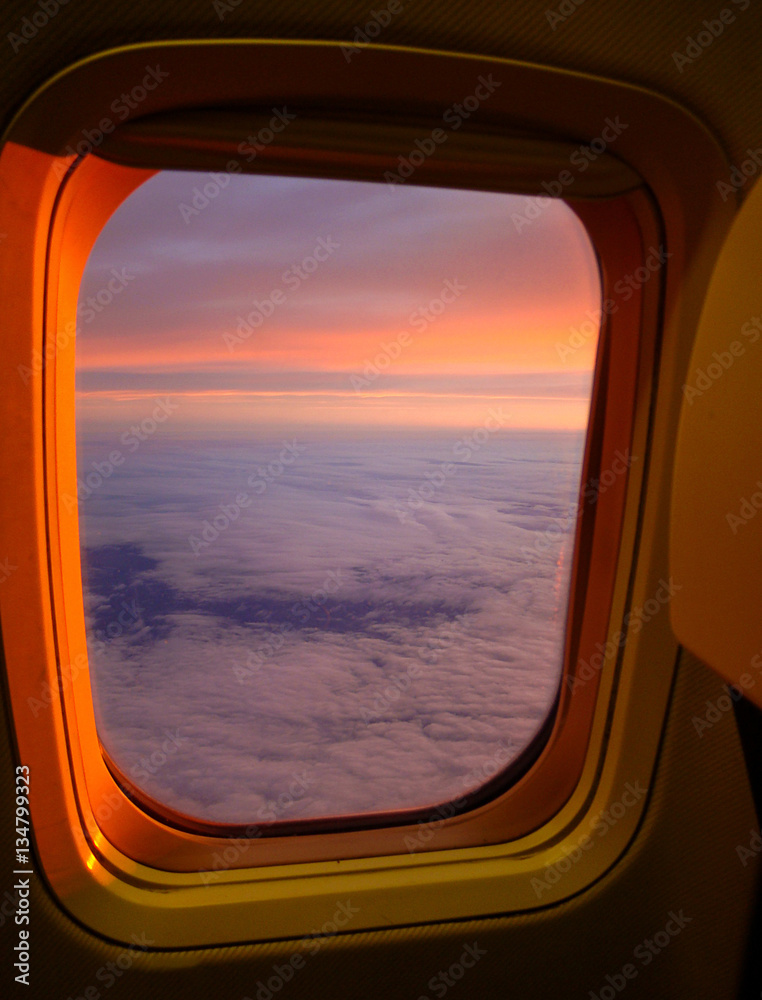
(554, 756)
(130, 854)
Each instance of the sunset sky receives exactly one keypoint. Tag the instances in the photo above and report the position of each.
(427, 307)
(373, 484)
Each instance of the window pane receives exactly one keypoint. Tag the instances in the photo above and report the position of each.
(329, 447)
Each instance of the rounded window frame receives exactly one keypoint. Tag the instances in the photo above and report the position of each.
(130, 855)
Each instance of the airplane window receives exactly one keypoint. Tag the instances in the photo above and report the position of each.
(329, 449)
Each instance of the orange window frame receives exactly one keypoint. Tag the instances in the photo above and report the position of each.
(92, 189)
(58, 207)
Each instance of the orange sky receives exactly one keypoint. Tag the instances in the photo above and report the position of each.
(384, 308)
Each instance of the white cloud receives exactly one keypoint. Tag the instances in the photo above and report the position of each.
(451, 581)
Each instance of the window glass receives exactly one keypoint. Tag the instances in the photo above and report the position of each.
(329, 442)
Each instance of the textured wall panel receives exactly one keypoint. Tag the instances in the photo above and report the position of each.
(684, 858)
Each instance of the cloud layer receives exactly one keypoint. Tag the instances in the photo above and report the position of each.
(366, 625)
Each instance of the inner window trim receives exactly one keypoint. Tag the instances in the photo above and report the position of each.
(514, 801)
(111, 892)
